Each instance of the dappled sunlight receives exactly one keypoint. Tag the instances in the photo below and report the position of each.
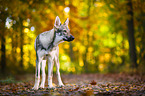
(107, 56)
(64, 58)
(26, 30)
(67, 9)
(109, 38)
(101, 67)
(100, 29)
(25, 23)
(18, 50)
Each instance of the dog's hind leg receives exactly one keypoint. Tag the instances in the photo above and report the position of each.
(43, 64)
(50, 69)
(37, 75)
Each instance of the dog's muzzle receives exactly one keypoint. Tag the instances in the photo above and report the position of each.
(71, 38)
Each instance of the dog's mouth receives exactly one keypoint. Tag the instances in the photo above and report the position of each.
(71, 38)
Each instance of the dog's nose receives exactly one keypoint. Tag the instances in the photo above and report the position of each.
(72, 37)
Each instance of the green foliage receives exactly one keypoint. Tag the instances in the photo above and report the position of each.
(99, 27)
(8, 80)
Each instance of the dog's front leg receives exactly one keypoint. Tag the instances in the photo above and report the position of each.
(43, 64)
(50, 73)
(57, 71)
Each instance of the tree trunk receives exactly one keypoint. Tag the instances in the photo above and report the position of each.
(3, 54)
(86, 63)
(3, 41)
(71, 54)
(21, 40)
(141, 29)
(131, 38)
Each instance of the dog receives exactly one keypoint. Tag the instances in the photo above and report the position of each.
(46, 47)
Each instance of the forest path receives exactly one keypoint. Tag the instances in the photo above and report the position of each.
(84, 84)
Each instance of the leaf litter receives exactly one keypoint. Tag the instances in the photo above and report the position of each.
(80, 85)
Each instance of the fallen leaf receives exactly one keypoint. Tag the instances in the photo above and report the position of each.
(76, 89)
(93, 82)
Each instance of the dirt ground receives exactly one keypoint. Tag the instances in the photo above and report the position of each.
(78, 85)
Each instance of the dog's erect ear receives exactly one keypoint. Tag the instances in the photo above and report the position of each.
(66, 21)
(57, 22)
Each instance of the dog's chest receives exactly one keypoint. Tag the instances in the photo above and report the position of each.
(46, 39)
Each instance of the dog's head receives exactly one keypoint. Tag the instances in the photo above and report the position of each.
(62, 30)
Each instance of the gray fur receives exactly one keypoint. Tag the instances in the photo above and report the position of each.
(46, 47)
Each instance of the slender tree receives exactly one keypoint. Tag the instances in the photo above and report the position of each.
(22, 43)
(3, 40)
(131, 38)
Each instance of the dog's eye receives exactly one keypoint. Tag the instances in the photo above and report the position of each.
(64, 30)
(64, 33)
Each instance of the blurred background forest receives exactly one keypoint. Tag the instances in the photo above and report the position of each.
(109, 35)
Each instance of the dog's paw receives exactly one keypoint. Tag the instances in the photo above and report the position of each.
(41, 86)
(61, 85)
(51, 86)
(35, 88)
